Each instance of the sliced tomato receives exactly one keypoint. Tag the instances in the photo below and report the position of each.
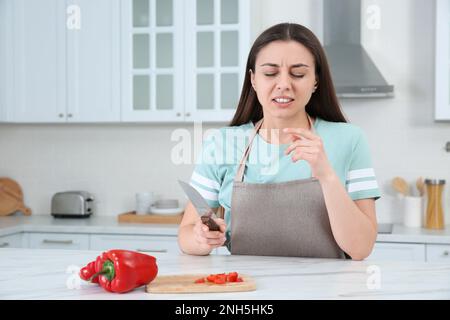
(232, 277)
(220, 279)
(201, 280)
(211, 277)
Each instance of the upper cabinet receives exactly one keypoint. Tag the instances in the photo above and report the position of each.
(37, 49)
(64, 61)
(4, 41)
(442, 61)
(216, 57)
(93, 60)
(122, 60)
(183, 60)
(152, 60)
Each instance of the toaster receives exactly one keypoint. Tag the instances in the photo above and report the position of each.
(72, 204)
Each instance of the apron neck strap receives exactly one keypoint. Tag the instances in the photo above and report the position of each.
(241, 169)
(240, 173)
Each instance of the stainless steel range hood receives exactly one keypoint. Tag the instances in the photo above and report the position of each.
(354, 73)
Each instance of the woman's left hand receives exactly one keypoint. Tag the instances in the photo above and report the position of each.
(309, 147)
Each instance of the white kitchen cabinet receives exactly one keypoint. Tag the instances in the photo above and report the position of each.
(442, 60)
(398, 252)
(65, 61)
(67, 241)
(93, 61)
(5, 58)
(215, 58)
(149, 244)
(182, 60)
(38, 61)
(152, 60)
(438, 252)
(17, 240)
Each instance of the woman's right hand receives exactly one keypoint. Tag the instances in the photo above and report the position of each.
(210, 239)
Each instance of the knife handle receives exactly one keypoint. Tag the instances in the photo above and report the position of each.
(210, 223)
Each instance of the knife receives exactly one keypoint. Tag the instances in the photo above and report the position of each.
(200, 204)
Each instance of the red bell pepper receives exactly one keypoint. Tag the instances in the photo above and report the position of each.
(88, 271)
(123, 270)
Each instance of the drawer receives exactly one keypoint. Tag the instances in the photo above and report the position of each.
(147, 244)
(59, 241)
(13, 241)
(438, 252)
(398, 252)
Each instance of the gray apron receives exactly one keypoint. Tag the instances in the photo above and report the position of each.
(280, 219)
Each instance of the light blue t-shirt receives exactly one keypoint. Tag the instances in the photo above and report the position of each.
(345, 146)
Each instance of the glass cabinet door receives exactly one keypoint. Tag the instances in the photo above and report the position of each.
(182, 60)
(215, 58)
(152, 63)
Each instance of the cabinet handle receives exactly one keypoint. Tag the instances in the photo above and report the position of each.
(4, 244)
(188, 114)
(178, 114)
(70, 115)
(446, 253)
(58, 241)
(61, 115)
(152, 250)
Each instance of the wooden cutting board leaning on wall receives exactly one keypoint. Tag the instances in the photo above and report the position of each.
(185, 283)
(11, 198)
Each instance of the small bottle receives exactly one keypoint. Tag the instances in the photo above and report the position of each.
(435, 213)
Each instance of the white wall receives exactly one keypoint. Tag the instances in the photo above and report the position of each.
(115, 161)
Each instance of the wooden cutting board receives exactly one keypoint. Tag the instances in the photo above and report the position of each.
(11, 198)
(184, 283)
(132, 217)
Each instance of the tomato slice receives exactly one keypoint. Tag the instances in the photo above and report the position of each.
(211, 277)
(232, 277)
(201, 280)
(220, 279)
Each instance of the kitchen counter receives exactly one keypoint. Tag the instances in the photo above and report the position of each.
(52, 274)
(404, 234)
(94, 224)
(110, 225)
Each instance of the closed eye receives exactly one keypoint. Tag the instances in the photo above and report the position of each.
(294, 75)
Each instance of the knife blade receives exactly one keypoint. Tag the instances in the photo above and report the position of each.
(200, 204)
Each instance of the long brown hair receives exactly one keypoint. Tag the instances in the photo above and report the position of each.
(323, 103)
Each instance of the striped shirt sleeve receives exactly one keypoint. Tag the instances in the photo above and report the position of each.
(361, 182)
(205, 178)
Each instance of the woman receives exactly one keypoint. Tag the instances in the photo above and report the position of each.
(320, 199)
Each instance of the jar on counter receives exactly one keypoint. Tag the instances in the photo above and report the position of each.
(434, 218)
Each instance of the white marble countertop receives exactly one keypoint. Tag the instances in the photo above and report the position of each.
(110, 225)
(46, 274)
(404, 234)
(93, 224)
